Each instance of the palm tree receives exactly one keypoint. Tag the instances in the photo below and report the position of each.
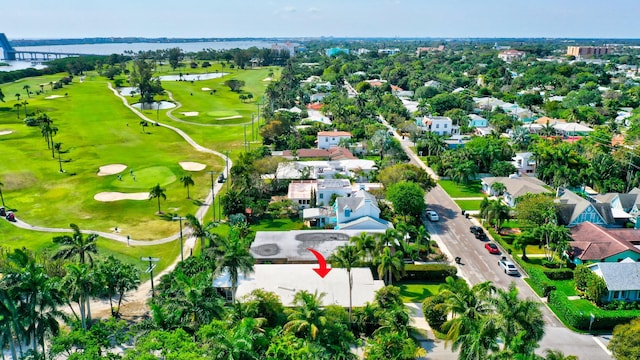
(78, 284)
(1, 197)
(17, 107)
(76, 245)
(423, 235)
(25, 103)
(498, 188)
(26, 88)
(235, 260)
(365, 244)
(307, 316)
(519, 321)
(57, 146)
(390, 264)
(10, 327)
(144, 124)
(346, 257)
(558, 355)
(494, 212)
(187, 181)
(17, 97)
(199, 230)
(158, 192)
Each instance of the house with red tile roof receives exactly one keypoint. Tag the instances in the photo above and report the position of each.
(593, 243)
(329, 139)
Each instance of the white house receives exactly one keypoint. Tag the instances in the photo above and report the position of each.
(353, 168)
(440, 125)
(327, 187)
(511, 55)
(327, 139)
(359, 212)
(524, 163)
(515, 186)
(301, 191)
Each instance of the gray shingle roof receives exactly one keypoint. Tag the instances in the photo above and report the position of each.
(619, 276)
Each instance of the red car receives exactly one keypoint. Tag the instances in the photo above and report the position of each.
(492, 248)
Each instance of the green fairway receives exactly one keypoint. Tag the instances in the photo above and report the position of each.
(95, 130)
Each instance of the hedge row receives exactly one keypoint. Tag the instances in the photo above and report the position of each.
(559, 274)
(539, 282)
(604, 319)
(428, 272)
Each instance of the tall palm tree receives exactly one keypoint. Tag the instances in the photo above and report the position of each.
(307, 317)
(78, 284)
(519, 321)
(1, 196)
(187, 181)
(199, 230)
(346, 257)
(24, 104)
(17, 106)
(235, 260)
(77, 245)
(17, 97)
(386, 239)
(390, 264)
(422, 234)
(366, 244)
(26, 88)
(143, 124)
(57, 146)
(11, 330)
(158, 192)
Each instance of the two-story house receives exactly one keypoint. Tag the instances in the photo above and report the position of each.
(328, 139)
(440, 125)
(359, 212)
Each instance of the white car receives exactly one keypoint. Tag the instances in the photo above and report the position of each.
(432, 215)
(508, 267)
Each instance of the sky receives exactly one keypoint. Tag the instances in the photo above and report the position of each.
(39, 19)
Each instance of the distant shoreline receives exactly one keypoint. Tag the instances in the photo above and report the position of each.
(127, 40)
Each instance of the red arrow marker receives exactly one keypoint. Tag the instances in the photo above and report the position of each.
(323, 270)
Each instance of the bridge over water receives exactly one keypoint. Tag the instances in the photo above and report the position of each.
(12, 54)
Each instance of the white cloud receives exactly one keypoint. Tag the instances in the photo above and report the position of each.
(285, 10)
(313, 10)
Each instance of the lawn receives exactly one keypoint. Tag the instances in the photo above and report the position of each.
(95, 129)
(416, 292)
(469, 204)
(461, 191)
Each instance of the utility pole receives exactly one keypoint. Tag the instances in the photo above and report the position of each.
(226, 153)
(213, 195)
(245, 137)
(180, 218)
(149, 270)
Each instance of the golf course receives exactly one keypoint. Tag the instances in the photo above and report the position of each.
(111, 157)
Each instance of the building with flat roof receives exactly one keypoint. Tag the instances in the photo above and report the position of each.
(284, 247)
(579, 51)
(285, 280)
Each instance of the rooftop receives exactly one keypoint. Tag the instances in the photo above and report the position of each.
(287, 279)
(619, 276)
(593, 242)
(334, 133)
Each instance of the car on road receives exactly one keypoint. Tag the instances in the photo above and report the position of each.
(507, 266)
(432, 215)
(475, 229)
(492, 248)
(481, 236)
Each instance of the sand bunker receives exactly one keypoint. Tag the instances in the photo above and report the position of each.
(267, 79)
(5, 132)
(190, 113)
(230, 117)
(192, 166)
(111, 169)
(205, 89)
(116, 196)
(53, 97)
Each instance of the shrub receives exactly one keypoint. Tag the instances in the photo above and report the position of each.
(30, 121)
(596, 289)
(603, 319)
(559, 274)
(581, 275)
(539, 282)
(434, 311)
(550, 264)
(429, 272)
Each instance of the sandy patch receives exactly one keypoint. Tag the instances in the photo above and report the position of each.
(111, 169)
(6, 132)
(230, 117)
(115, 196)
(53, 97)
(267, 79)
(190, 113)
(205, 89)
(162, 105)
(192, 166)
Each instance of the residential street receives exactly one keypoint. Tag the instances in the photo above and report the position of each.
(478, 265)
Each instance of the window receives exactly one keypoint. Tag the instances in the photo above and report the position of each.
(333, 139)
(347, 212)
(321, 196)
(444, 125)
(326, 139)
(437, 126)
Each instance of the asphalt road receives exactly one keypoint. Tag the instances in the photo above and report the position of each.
(478, 265)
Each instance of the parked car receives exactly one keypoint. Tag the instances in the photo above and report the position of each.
(475, 229)
(507, 266)
(10, 216)
(481, 236)
(432, 215)
(492, 248)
